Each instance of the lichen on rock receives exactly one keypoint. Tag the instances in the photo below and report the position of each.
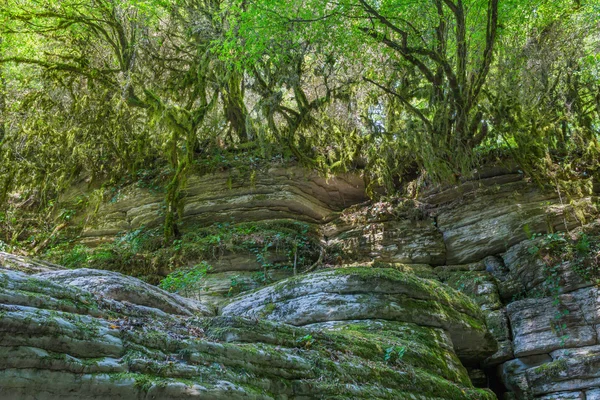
(68, 334)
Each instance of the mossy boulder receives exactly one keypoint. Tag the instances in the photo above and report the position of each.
(345, 294)
(61, 341)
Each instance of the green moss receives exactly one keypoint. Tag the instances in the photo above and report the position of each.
(425, 347)
(268, 309)
(433, 289)
(552, 369)
(144, 252)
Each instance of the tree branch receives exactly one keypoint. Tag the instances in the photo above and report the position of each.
(412, 108)
(491, 31)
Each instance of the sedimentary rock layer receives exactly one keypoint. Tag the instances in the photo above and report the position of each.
(59, 340)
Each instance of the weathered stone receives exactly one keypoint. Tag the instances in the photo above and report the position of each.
(47, 353)
(565, 372)
(530, 271)
(543, 325)
(403, 241)
(430, 348)
(505, 352)
(218, 288)
(589, 301)
(26, 264)
(479, 285)
(512, 373)
(366, 293)
(570, 370)
(421, 270)
(511, 290)
(444, 195)
(497, 323)
(476, 266)
(275, 193)
(592, 394)
(475, 230)
(564, 396)
(116, 286)
(243, 261)
(495, 266)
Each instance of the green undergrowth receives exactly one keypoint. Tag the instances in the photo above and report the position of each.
(185, 280)
(244, 160)
(144, 252)
(581, 250)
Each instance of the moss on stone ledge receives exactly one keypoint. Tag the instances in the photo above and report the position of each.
(219, 357)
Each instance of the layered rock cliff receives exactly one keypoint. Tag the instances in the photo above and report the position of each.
(489, 282)
(93, 334)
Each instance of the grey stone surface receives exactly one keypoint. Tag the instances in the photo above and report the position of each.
(366, 293)
(116, 286)
(541, 325)
(26, 264)
(403, 241)
(473, 229)
(275, 193)
(593, 394)
(59, 340)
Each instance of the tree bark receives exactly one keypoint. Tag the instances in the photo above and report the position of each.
(2, 96)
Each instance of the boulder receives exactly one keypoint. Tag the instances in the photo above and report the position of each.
(59, 340)
(371, 293)
(116, 286)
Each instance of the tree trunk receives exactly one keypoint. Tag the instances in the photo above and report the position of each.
(2, 97)
(235, 109)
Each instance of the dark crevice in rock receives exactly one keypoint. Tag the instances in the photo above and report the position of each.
(494, 382)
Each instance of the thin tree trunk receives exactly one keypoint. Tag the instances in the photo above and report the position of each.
(2, 97)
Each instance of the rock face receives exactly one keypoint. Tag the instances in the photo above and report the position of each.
(115, 286)
(387, 233)
(62, 341)
(277, 193)
(536, 294)
(498, 215)
(495, 274)
(349, 294)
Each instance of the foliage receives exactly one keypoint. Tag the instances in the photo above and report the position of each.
(145, 253)
(306, 341)
(185, 281)
(106, 92)
(394, 354)
(237, 286)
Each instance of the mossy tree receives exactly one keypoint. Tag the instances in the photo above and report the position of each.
(148, 66)
(99, 90)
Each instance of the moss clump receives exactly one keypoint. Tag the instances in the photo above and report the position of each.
(426, 348)
(552, 369)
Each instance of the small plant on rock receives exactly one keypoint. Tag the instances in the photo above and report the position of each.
(185, 281)
(394, 354)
